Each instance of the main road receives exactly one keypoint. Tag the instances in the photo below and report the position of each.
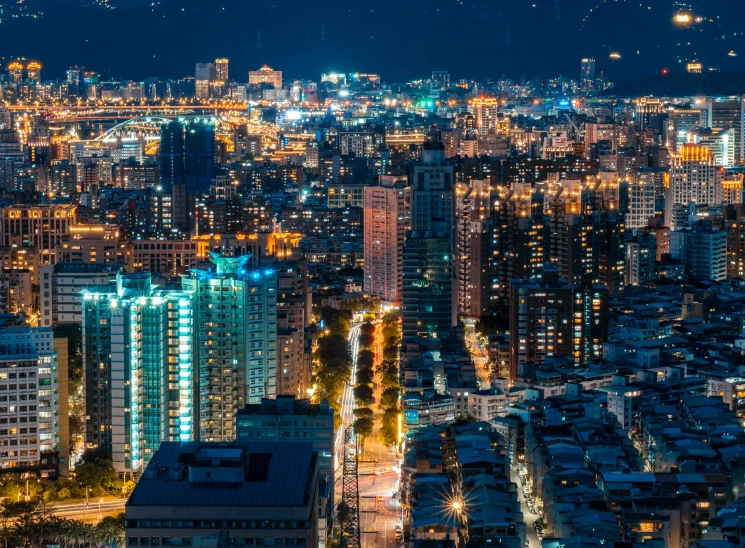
(348, 404)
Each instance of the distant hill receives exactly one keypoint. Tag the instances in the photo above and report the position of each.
(684, 84)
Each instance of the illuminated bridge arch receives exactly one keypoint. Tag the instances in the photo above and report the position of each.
(146, 127)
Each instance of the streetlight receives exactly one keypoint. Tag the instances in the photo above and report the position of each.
(99, 509)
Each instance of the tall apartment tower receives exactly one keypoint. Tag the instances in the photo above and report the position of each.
(137, 363)
(694, 178)
(387, 215)
(221, 70)
(485, 111)
(551, 318)
(520, 237)
(472, 241)
(176, 365)
(235, 342)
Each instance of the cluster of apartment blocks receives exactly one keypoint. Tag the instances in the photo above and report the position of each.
(644, 441)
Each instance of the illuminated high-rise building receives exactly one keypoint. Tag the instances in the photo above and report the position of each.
(729, 114)
(551, 318)
(265, 76)
(485, 112)
(235, 342)
(694, 179)
(427, 289)
(587, 74)
(176, 365)
(33, 72)
(221, 69)
(472, 244)
(138, 369)
(15, 72)
(204, 73)
(386, 219)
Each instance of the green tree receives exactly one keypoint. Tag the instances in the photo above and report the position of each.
(363, 426)
(365, 376)
(364, 412)
(365, 358)
(96, 470)
(363, 394)
(389, 398)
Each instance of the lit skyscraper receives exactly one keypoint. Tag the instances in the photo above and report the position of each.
(729, 114)
(235, 342)
(587, 74)
(694, 178)
(386, 218)
(427, 308)
(137, 344)
(204, 74)
(175, 365)
(221, 69)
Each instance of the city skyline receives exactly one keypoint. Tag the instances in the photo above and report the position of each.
(339, 38)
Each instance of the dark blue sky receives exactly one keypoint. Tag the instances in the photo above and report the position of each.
(400, 39)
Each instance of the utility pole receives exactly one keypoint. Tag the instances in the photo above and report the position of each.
(349, 528)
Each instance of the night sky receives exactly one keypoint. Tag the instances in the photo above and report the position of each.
(400, 39)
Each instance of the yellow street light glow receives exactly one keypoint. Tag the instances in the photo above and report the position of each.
(457, 505)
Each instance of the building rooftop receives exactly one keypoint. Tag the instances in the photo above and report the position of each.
(228, 474)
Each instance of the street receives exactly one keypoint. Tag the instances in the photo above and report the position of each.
(478, 353)
(78, 511)
(378, 468)
(528, 517)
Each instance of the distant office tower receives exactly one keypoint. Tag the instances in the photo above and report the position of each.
(432, 191)
(646, 109)
(485, 112)
(265, 76)
(641, 191)
(702, 249)
(732, 188)
(641, 252)
(440, 80)
(729, 114)
(552, 318)
(587, 74)
(221, 70)
(734, 218)
(520, 237)
(427, 303)
(387, 214)
(187, 155)
(204, 73)
(30, 421)
(694, 178)
(681, 123)
(472, 246)
(720, 141)
(235, 326)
